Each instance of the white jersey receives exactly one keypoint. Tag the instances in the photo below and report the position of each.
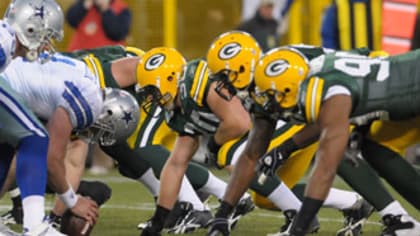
(7, 44)
(62, 81)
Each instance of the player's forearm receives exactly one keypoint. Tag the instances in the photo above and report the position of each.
(242, 175)
(307, 135)
(57, 174)
(332, 144)
(170, 184)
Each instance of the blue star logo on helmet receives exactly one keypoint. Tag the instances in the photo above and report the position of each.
(127, 117)
(39, 11)
(229, 51)
(154, 61)
(276, 68)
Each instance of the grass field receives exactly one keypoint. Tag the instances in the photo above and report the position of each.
(130, 204)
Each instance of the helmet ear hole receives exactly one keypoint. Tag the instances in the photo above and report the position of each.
(109, 112)
(287, 90)
(241, 69)
(170, 78)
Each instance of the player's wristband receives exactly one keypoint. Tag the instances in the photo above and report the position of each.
(69, 198)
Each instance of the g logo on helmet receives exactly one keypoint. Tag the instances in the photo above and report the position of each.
(229, 51)
(154, 61)
(277, 67)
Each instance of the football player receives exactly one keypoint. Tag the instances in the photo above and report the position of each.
(27, 29)
(328, 96)
(227, 54)
(63, 92)
(193, 107)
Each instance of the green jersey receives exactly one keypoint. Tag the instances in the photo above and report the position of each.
(310, 53)
(99, 60)
(379, 87)
(194, 117)
(151, 129)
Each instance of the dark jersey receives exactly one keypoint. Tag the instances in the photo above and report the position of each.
(194, 117)
(386, 87)
(99, 60)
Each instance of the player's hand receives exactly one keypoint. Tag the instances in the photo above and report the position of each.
(87, 209)
(269, 163)
(219, 227)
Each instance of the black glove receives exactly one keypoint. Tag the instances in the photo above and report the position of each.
(269, 163)
(150, 230)
(219, 227)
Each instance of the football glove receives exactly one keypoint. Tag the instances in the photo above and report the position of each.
(219, 227)
(269, 163)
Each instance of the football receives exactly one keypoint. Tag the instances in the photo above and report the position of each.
(73, 225)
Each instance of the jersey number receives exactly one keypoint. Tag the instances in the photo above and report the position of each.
(356, 65)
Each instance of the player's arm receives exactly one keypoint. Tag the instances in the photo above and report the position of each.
(175, 168)
(124, 71)
(235, 121)
(272, 160)
(244, 170)
(334, 124)
(59, 128)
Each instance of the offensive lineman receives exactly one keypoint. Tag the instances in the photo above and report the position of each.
(27, 29)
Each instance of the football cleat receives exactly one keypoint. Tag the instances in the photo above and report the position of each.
(244, 206)
(180, 210)
(289, 217)
(149, 230)
(400, 225)
(43, 229)
(55, 220)
(192, 221)
(13, 216)
(355, 217)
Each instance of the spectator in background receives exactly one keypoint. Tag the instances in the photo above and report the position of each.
(263, 26)
(98, 23)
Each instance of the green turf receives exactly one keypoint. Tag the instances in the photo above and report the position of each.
(131, 203)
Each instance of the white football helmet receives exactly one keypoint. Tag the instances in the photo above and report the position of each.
(118, 120)
(36, 23)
